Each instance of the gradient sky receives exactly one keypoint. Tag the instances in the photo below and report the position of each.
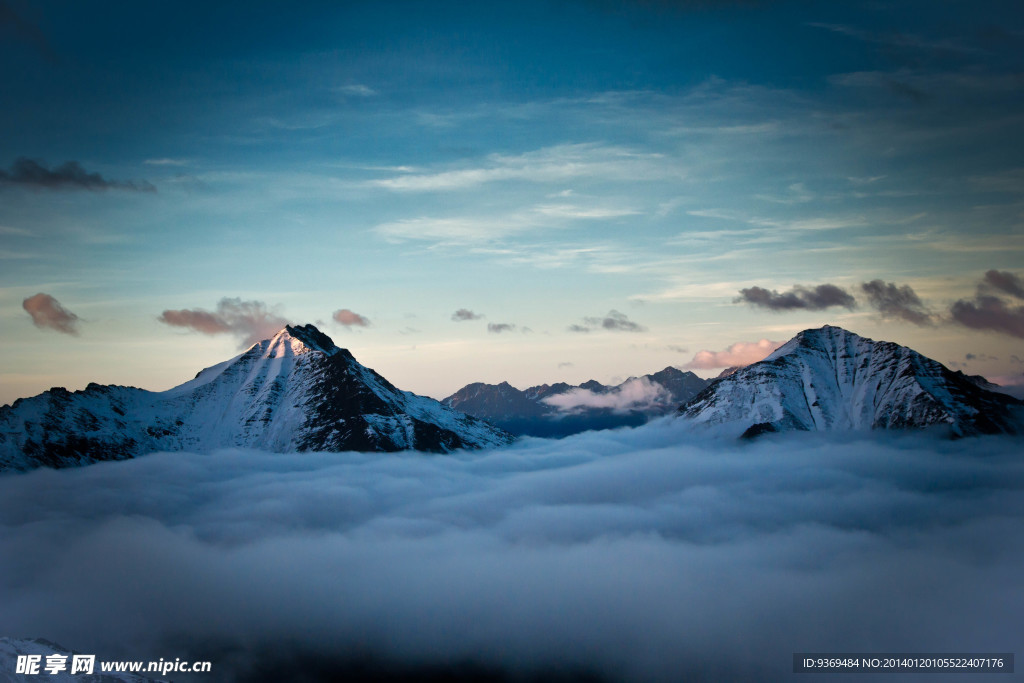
(603, 188)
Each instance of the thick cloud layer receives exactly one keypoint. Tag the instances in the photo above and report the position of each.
(47, 313)
(638, 393)
(250, 321)
(637, 555)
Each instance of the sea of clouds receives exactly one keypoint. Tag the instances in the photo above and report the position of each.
(638, 555)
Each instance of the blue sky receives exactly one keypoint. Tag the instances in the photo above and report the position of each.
(608, 187)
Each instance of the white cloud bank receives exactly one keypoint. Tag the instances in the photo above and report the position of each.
(638, 393)
(637, 555)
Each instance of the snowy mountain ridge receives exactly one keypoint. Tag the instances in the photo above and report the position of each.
(296, 391)
(830, 379)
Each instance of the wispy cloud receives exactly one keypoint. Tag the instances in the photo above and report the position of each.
(901, 40)
(615, 321)
(557, 164)
(166, 161)
(356, 90)
(459, 231)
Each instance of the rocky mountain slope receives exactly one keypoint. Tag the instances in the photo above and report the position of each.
(830, 379)
(294, 392)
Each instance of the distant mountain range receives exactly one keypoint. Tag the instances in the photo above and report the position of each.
(555, 410)
(299, 392)
(294, 392)
(830, 379)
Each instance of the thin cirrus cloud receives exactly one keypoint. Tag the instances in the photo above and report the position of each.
(547, 165)
(615, 321)
(897, 302)
(250, 321)
(465, 314)
(816, 298)
(70, 175)
(739, 354)
(47, 313)
(349, 318)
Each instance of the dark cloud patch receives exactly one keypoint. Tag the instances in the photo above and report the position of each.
(348, 318)
(68, 176)
(897, 302)
(251, 321)
(1003, 281)
(988, 310)
(498, 328)
(636, 556)
(614, 322)
(979, 357)
(815, 298)
(989, 313)
(47, 313)
(465, 314)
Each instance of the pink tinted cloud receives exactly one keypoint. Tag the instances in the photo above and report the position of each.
(251, 321)
(350, 318)
(737, 355)
(47, 313)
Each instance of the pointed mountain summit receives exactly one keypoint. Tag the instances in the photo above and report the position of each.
(296, 391)
(830, 379)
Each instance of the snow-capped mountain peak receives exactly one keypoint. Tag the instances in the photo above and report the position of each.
(832, 379)
(296, 391)
(296, 340)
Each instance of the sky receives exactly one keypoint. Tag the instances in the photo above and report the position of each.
(635, 556)
(531, 191)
